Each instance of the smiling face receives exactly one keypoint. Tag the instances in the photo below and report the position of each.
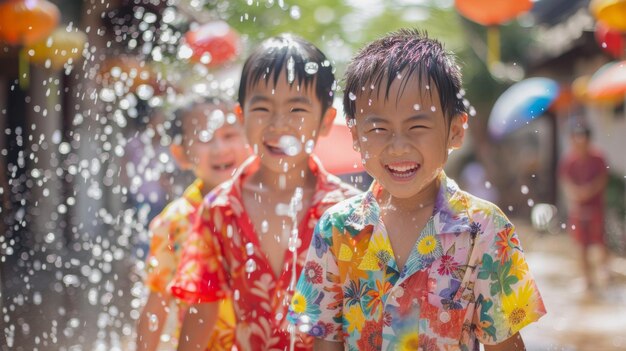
(283, 122)
(213, 143)
(405, 138)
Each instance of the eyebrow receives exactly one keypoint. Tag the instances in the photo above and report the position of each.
(416, 118)
(293, 100)
(258, 98)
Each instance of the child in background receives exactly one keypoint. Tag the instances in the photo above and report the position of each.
(584, 176)
(249, 243)
(415, 262)
(209, 141)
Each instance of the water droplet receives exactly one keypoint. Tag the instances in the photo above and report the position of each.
(488, 184)
(250, 249)
(311, 67)
(294, 12)
(416, 107)
(290, 145)
(524, 189)
(153, 322)
(291, 74)
(351, 96)
(264, 227)
(250, 265)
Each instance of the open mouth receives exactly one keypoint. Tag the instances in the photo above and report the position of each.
(274, 149)
(403, 170)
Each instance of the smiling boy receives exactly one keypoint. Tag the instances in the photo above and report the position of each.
(415, 262)
(250, 242)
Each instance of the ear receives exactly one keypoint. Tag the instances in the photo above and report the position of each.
(457, 131)
(327, 121)
(180, 156)
(239, 113)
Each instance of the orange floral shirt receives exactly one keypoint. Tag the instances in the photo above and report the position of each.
(169, 230)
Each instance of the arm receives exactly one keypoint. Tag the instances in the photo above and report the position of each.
(324, 345)
(597, 185)
(197, 326)
(514, 343)
(148, 337)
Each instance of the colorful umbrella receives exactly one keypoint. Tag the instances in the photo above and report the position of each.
(608, 83)
(520, 104)
(336, 153)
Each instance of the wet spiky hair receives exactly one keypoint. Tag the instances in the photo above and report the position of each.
(272, 57)
(403, 54)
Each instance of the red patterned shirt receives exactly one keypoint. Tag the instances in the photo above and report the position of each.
(223, 257)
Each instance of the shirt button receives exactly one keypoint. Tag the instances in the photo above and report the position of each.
(444, 317)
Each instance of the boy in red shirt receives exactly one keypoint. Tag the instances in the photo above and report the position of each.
(250, 242)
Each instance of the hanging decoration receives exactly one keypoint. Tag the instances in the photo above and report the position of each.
(61, 47)
(213, 43)
(492, 13)
(24, 22)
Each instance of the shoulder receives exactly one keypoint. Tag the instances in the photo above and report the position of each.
(175, 210)
(351, 215)
(333, 191)
(483, 215)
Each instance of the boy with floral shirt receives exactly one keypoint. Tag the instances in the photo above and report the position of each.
(250, 242)
(209, 141)
(414, 263)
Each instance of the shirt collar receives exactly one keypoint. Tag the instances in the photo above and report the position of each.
(233, 187)
(193, 193)
(450, 213)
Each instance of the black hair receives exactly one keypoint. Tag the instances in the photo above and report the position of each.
(302, 61)
(405, 52)
(175, 130)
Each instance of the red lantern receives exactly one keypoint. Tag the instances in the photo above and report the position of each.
(24, 22)
(609, 40)
(492, 13)
(213, 43)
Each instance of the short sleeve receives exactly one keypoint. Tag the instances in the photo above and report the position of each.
(317, 302)
(200, 276)
(507, 298)
(162, 261)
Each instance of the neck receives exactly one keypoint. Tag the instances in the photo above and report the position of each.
(298, 176)
(424, 200)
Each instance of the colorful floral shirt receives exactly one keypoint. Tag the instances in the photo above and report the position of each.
(170, 229)
(465, 280)
(233, 263)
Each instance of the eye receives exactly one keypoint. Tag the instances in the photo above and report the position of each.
(260, 109)
(298, 109)
(377, 130)
(418, 127)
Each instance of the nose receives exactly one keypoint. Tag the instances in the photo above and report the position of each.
(399, 145)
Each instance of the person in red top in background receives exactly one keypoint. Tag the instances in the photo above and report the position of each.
(584, 176)
(250, 242)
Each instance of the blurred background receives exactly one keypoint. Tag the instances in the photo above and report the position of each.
(86, 88)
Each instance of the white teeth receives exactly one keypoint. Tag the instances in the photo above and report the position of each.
(402, 168)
